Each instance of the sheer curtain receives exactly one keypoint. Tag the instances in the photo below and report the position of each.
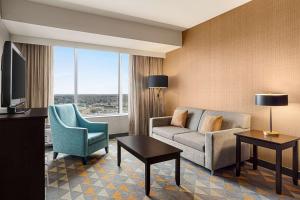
(143, 102)
(39, 74)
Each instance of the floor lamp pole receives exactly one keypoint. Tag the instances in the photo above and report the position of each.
(158, 98)
(271, 128)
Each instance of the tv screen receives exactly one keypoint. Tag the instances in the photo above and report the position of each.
(13, 76)
(18, 76)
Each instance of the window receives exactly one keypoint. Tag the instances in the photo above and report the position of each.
(64, 74)
(97, 81)
(124, 63)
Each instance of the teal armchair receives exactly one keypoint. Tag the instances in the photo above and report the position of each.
(74, 135)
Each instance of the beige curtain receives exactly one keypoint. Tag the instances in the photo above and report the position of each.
(143, 102)
(39, 74)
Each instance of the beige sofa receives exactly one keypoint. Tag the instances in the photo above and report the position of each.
(212, 150)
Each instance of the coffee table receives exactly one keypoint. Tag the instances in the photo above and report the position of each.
(150, 151)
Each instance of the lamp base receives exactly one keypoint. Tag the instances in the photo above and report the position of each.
(271, 133)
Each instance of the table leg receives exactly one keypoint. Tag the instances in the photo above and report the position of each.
(177, 170)
(295, 163)
(254, 157)
(238, 156)
(119, 154)
(147, 178)
(278, 169)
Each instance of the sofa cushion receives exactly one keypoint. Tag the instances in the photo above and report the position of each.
(230, 119)
(211, 123)
(194, 140)
(95, 137)
(67, 114)
(179, 118)
(194, 116)
(169, 131)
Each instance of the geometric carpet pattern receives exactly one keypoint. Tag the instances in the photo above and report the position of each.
(102, 179)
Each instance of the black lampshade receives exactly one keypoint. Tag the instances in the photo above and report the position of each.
(158, 81)
(271, 99)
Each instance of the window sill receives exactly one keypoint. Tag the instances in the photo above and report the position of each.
(105, 116)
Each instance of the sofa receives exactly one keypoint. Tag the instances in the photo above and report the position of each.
(212, 150)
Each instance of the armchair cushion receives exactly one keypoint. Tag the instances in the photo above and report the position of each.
(67, 114)
(195, 140)
(96, 137)
(169, 131)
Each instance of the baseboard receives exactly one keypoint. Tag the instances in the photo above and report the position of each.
(112, 136)
(271, 166)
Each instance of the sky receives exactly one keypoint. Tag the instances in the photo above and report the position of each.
(97, 71)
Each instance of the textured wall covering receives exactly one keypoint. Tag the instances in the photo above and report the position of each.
(225, 61)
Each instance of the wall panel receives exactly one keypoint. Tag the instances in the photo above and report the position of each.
(225, 61)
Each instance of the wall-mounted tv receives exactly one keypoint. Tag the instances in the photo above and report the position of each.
(13, 76)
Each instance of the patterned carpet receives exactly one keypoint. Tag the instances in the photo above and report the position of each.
(102, 179)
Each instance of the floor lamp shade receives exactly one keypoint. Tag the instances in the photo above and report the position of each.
(158, 81)
(271, 99)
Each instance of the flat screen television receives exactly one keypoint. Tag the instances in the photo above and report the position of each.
(13, 76)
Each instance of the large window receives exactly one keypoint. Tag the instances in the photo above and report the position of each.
(97, 81)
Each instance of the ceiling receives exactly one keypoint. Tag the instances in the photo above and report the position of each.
(176, 14)
(32, 30)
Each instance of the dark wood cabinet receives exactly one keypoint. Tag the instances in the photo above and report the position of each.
(22, 155)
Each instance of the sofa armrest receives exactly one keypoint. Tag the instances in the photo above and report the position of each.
(220, 148)
(159, 121)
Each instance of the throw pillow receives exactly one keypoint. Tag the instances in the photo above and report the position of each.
(179, 118)
(211, 123)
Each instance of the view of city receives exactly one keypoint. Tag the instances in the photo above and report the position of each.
(94, 104)
(97, 78)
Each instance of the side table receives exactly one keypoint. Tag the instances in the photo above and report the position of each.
(277, 143)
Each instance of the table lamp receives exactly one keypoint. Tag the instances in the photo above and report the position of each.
(271, 100)
(158, 81)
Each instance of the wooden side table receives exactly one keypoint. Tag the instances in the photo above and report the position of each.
(278, 143)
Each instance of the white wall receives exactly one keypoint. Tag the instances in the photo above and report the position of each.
(53, 42)
(44, 15)
(116, 124)
(4, 35)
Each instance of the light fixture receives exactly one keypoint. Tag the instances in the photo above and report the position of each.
(271, 100)
(158, 81)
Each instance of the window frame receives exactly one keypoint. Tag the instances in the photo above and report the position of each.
(120, 93)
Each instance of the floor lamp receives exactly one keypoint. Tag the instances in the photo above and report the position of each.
(158, 82)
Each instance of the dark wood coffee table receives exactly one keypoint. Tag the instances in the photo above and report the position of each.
(278, 143)
(150, 151)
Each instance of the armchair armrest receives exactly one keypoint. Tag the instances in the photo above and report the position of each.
(220, 147)
(91, 126)
(94, 126)
(159, 121)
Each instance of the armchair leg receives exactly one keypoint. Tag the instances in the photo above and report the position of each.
(212, 172)
(55, 154)
(84, 160)
(106, 149)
